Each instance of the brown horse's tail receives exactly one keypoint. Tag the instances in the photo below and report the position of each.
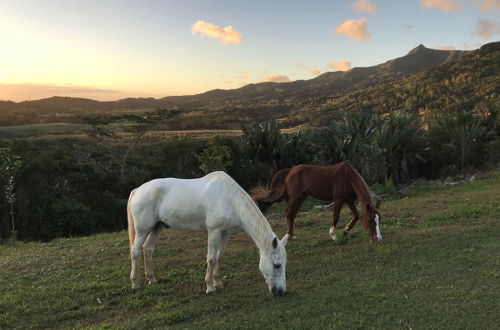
(275, 189)
(130, 217)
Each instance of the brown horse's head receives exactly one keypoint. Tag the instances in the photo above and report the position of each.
(371, 221)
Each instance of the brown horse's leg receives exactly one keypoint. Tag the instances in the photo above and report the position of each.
(292, 209)
(337, 207)
(355, 217)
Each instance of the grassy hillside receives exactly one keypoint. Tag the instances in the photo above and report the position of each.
(225, 109)
(438, 266)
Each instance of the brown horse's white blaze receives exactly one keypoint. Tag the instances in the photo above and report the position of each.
(371, 221)
(339, 183)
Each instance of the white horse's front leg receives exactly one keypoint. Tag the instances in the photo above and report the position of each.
(214, 242)
(216, 271)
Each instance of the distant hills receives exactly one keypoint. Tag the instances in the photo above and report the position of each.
(409, 82)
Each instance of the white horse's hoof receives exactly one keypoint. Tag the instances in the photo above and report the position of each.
(210, 290)
(136, 286)
(152, 281)
(218, 285)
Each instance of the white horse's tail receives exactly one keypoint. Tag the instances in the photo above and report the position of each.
(131, 227)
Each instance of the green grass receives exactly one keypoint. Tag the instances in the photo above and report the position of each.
(438, 267)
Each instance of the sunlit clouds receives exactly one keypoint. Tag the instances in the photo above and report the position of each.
(458, 5)
(339, 66)
(489, 5)
(277, 78)
(486, 28)
(315, 71)
(444, 5)
(234, 81)
(354, 29)
(444, 47)
(364, 6)
(226, 35)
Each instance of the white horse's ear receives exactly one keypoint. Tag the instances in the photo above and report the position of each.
(284, 240)
(275, 242)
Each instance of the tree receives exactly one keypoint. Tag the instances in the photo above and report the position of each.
(215, 158)
(9, 165)
(262, 142)
(127, 130)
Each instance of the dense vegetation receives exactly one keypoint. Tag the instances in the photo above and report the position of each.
(436, 268)
(77, 187)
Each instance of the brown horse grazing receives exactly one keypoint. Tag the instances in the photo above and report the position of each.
(339, 183)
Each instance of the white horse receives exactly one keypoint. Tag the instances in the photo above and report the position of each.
(215, 203)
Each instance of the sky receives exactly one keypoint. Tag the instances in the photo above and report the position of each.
(113, 49)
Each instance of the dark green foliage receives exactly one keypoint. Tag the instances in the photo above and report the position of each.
(176, 157)
(76, 188)
(380, 147)
(262, 142)
(266, 144)
(462, 141)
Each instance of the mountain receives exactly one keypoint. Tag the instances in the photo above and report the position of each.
(311, 101)
(467, 84)
(417, 60)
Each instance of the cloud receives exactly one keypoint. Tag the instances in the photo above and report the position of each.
(442, 47)
(339, 66)
(277, 78)
(300, 65)
(315, 71)
(354, 29)
(486, 28)
(364, 6)
(444, 5)
(244, 75)
(489, 5)
(227, 34)
(408, 27)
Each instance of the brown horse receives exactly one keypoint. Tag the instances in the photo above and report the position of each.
(339, 183)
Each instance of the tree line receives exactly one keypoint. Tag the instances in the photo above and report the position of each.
(80, 187)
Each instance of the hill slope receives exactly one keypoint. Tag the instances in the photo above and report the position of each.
(468, 83)
(438, 258)
(287, 96)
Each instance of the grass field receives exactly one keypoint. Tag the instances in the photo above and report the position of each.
(438, 267)
(42, 130)
(68, 130)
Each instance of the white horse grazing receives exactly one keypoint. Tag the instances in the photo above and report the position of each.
(215, 203)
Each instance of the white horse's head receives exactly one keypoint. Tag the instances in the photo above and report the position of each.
(273, 264)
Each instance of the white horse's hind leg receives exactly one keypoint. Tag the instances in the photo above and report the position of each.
(135, 254)
(214, 241)
(216, 271)
(148, 249)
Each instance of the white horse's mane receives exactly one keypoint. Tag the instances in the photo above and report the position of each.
(251, 216)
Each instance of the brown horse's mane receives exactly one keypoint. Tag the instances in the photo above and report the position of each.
(359, 185)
